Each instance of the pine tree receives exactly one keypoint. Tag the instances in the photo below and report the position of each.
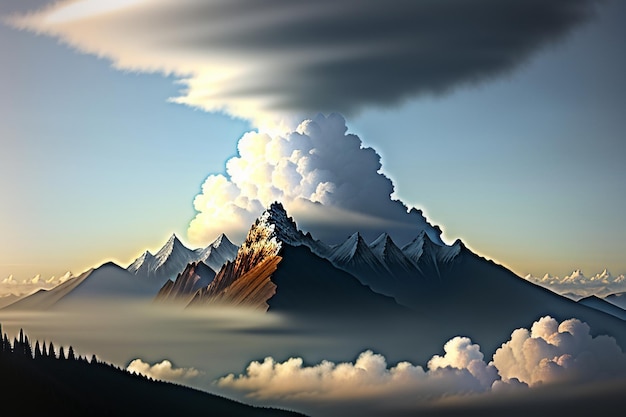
(61, 353)
(37, 350)
(2, 348)
(6, 344)
(70, 354)
(28, 351)
(51, 352)
(94, 360)
(44, 352)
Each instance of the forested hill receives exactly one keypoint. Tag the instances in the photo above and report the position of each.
(38, 379)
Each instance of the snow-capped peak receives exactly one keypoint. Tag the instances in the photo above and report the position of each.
(415, 248)
(282, 226)
(218, 252)
(380, 244)
(386, 250)
(146, 258)
(218, 241)
(346, 250)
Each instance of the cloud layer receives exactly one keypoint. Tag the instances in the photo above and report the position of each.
(10, 285)
(369, 385)
(577, 285)
(265, 60)
(548, 354)
(553, 352)
(325, 178)
(163, 370)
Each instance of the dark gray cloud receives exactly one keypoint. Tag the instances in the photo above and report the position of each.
(254, 59)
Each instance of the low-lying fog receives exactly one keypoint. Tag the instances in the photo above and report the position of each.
(331, 366)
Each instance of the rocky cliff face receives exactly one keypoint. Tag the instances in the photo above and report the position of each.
(246, 281)
(278, 268)
(195, 276)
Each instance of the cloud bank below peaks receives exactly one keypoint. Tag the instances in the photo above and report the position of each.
(264, 60)
(577, 285)
(549, 354)
(326, 179)
(10, 285)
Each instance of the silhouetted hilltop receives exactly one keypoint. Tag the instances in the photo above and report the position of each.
(38, 379)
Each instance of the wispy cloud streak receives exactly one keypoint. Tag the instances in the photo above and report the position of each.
(268, 60)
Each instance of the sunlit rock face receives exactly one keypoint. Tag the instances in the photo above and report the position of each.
(195, 276)
(247, 280)
(277, 268)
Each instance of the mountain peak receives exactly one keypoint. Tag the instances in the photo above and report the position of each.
(218, 241)
(280, 225)
(172, 244)
(381, 242)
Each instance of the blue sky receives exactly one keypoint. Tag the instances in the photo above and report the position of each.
(525, 166)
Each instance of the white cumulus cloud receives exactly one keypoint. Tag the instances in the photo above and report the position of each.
(545, 359)
(324, 177)
(369, 379)
(552, 352)
(163, 370)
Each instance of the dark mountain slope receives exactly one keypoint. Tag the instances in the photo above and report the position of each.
(604, 306)
(76, 387)
(275, 269)
(486, 301)
(108, 281)
(306, 283)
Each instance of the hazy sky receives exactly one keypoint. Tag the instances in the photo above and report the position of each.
(519, 153)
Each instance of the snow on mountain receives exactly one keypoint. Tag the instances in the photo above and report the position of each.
(429, 256)
(392, 257)
(218, 252)
(144, 263)
(21, 288)
(256, 260)
(415, 248)
(392, 271)
(355, 256)
(174, 256)
(354, 251)
(276, 268)
(578, 285)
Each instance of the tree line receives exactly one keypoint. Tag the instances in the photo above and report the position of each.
(21, 347)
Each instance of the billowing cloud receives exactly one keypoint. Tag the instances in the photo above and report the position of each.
(10, 285)
(548, 359)
(577, 285)
(325, 178)
(264, 60)
(368, 379)
(163, 370)
(553, 352)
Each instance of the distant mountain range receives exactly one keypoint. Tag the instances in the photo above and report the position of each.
(279, 268)
(173, 257)
(142, 279)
